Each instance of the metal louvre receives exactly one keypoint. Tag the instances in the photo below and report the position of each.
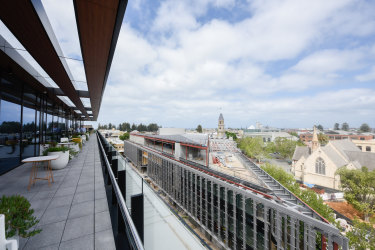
(240, 219)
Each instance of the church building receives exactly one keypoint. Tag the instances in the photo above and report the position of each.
(318, 164)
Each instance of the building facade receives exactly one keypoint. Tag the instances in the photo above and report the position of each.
(365, 146)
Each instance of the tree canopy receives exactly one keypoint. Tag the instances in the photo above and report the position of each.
(253, 147)
(359, 189)
(199, 129)
(336, 126)
(125, 126)
(256, 148)
(323, 139)
(230, 134)
(307, 195)
(345, 126)
(365, 128)
(320, 127)
(125, 136)
(362, 235)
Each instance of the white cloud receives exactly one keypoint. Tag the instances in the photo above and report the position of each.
(369, 76)
(283, 64)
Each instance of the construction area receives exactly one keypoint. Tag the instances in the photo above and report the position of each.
(219, 155)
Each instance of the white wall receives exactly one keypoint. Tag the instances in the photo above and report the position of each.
(137, 139)
(171, 131)
(177, 150)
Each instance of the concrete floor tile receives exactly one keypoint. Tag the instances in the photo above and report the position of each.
(50, 235)
(82, 243)
(81, 209)
(105, 240)
(78, 227)
(61, 201)
(55, 215)
(102, 221)
(82, 197)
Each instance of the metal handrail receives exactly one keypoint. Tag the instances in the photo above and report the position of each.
(124, 211)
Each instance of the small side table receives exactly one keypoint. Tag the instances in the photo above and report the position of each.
(34, 168)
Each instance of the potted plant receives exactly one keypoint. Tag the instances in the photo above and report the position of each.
(19, 217)
(63, 159)
(78, 140)
(73, 152)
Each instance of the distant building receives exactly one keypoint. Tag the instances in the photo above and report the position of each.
(365, 146)
(88, 127)
(317, 165)
(220, 128)
(340, 135)
(270, 136)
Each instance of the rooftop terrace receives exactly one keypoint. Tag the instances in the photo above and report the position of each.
(73, 211)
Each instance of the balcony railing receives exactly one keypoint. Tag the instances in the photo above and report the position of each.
(127, 234)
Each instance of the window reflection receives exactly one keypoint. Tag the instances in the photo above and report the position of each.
(10, 127)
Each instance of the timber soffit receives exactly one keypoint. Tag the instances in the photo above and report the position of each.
(29, 24)
(98, 24)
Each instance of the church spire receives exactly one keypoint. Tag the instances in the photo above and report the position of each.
(315, 140)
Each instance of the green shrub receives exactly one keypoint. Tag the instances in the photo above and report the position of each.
(307, 195)
(55, 149)
(18, 216)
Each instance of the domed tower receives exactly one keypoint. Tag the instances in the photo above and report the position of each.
(220, 128)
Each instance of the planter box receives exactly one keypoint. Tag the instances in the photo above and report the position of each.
(75, 147)
(60, 162)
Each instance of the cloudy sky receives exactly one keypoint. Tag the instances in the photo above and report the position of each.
(291, 63)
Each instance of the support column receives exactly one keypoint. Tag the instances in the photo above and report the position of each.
(234, 220)
(255, 223)
(226, 215)
(244, 222)
(312, 235)
(266, 228)
(292, 233)
(219, 212)
(278, 229)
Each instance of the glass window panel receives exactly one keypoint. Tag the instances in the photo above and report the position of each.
(10, 127)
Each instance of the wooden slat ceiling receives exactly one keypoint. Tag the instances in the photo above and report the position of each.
(16, 72)
(23, 21)
(98, 25)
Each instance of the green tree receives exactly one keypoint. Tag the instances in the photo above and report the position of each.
(336, 126)
(323, 139)
(365, 128)
(253, 147)
(199, 129)
(320, 127)
(293, 133)
(230, 134)
(124, 137)
(362, 235)
(345, 126)
(307, 195)
(110, 126)
(134, 127)
(286, 146)
(359, 189)
(152, 127)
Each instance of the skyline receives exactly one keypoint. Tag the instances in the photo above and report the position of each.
(180, 64)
